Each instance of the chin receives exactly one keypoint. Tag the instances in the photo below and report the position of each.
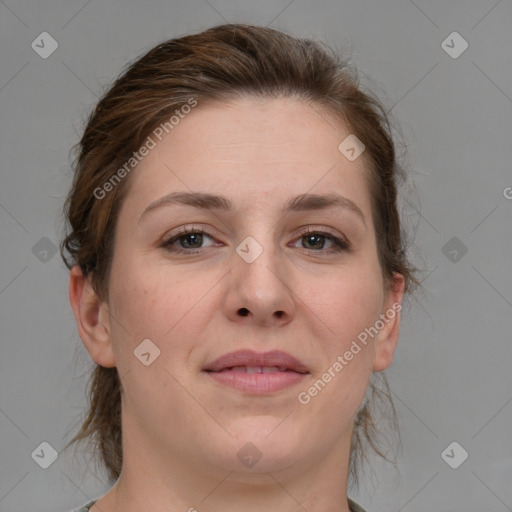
(263, 444)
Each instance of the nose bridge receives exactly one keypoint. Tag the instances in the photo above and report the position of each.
(259, 242)
(258, 259)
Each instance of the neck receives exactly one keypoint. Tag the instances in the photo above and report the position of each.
(151, 480)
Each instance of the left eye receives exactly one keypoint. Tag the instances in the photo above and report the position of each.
(316, 242)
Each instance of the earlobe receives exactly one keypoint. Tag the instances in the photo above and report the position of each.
(92, 319)
(387, 337)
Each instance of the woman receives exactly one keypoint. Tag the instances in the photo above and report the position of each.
(236, 273)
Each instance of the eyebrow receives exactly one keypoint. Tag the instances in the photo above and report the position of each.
(301, 203)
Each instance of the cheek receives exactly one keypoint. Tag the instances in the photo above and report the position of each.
(347, 308)
(146, 299)
(347, 304)
(147, 306)
(167, 307)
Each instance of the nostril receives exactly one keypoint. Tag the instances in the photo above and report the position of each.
(244, 311)
(279, 314)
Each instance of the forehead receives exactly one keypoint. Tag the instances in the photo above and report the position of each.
(268, 149)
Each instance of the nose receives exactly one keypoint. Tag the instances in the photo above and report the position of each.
(259, 291)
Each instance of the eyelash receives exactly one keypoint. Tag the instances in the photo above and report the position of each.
(340, 244)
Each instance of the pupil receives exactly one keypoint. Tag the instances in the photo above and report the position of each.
(192, 236)
(313, 239)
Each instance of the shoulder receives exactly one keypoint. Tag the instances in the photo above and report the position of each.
(85, 508)
(354, 507)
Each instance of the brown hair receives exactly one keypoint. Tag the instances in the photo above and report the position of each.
(224, 62)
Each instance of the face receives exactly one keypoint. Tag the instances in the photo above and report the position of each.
(254, 272)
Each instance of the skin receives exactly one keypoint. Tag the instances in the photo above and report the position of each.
(181, 429)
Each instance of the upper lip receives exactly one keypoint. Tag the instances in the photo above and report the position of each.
(251, 358)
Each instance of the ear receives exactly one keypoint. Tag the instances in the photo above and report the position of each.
(92, 318)
(387, 338)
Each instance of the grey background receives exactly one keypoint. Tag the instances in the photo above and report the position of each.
(451, 378)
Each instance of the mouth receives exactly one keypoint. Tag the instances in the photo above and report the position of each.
(257, 373)
(257, 369)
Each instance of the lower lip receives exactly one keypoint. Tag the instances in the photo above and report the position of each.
(257, 383)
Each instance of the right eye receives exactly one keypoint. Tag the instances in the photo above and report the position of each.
(189, 240)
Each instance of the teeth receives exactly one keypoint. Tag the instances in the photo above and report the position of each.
(258, 369)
